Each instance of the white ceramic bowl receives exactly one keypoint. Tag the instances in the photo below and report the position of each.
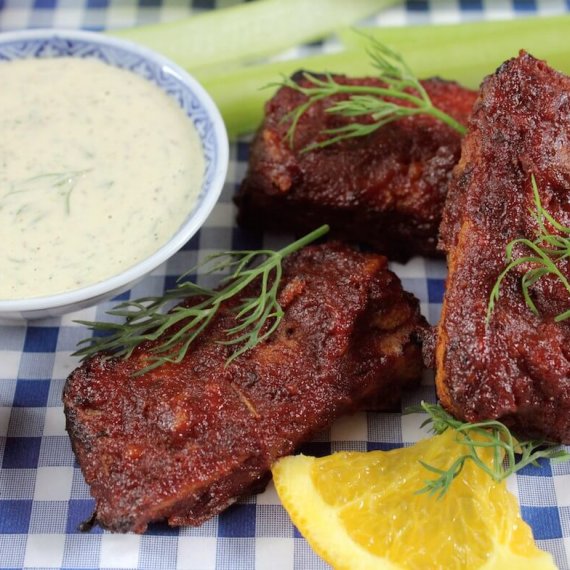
(195, 102)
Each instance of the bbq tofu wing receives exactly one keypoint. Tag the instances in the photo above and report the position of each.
(386, 189)
(182, 442)
(518, 368)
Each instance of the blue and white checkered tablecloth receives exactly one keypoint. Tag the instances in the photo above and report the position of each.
(43, 496)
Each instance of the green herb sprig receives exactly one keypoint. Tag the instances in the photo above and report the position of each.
(547, 250)
(368, 101)
(509, 454)
(145, 319)
(63, 182)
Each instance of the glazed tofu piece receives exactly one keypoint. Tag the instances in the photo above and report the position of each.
(183, 441)
(516, 367)
(386, 189)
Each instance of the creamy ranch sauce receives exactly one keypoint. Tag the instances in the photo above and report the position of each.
(98, 169)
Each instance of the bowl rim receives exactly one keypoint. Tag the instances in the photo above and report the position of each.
(190, 225)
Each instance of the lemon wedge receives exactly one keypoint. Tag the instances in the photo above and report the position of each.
(362, 511)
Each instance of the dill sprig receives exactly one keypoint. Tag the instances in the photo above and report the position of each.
(147, 319)
(63, 182)
(509, 454)
(546, 251)
(367, 101)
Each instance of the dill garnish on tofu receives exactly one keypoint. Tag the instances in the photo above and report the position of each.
(401, 96)
(146, 319)
(545, 252)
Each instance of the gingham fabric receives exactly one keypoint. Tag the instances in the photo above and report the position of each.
(43, 496)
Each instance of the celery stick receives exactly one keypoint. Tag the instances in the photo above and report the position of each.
(248, 31)
(464, 52)
(468, 52)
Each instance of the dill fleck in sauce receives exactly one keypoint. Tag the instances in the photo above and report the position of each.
(98, 169)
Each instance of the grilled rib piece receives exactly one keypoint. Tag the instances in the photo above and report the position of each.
(386, 189)
(518, 369)
(182, 442)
